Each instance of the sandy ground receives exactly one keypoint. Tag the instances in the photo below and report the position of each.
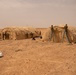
(34, 57)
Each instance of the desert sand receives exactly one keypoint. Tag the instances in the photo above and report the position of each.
(35, 57)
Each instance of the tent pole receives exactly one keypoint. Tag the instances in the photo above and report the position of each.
(52, 32)
(66, 33)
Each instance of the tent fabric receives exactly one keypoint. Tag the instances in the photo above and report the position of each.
(59, 35)
(16, 33)
(0, 33)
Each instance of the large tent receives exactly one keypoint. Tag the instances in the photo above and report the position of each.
(16, 33)
(59, 34)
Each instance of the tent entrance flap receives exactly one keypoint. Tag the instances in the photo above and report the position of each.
(6, 36)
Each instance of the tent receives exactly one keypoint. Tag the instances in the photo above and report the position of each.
(59, 34)
(16, 33)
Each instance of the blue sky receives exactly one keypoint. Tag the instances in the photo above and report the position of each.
(37, 13)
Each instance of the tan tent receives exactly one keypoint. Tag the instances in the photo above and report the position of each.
(59, 34)
(17, 33)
